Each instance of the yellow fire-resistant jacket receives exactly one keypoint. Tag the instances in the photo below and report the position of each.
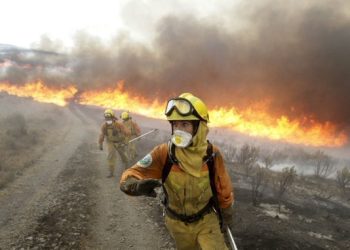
(115, 132)
(187, 194)
(133, 128)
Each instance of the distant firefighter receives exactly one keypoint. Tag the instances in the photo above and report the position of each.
(198, 193)
(116, 135)
(134, 131)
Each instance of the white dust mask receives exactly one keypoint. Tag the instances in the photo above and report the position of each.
(109, 122)
(181, 138)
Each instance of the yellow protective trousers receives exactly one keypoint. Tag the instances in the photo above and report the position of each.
(132, 150)
(203, 234)
(112, 155)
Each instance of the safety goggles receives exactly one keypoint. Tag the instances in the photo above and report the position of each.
(182, 106)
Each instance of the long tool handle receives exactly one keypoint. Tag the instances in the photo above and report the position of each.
(232, 241)
(136, 138)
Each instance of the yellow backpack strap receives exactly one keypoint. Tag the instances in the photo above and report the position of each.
(170, 161)
(210, 159)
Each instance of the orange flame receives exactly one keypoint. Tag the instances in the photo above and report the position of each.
(257, 122)
(119, 99)
(254, 121)
(39, 92)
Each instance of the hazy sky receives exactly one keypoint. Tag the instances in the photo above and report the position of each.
(22, 22)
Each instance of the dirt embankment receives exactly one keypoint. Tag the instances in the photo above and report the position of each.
(30, 195)
(28, 130)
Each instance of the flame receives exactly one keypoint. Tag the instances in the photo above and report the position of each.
(117, 98)
(41, 93)
(257, 122)
(254, 120)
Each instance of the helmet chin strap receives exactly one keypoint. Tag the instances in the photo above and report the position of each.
(172, 128)
(195, 125)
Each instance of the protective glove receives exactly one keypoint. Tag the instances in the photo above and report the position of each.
(146, 187)
(101, 147)
(136, 187)
(227, 217)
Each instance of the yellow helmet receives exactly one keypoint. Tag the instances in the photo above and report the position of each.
(187, 107)
(109, 113)
(125, 115)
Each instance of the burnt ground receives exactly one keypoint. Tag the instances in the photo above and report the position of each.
(305, 222)
(63, 200)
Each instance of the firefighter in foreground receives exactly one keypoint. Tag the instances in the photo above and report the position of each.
(134, 130)
(198, 190)
(116, 135)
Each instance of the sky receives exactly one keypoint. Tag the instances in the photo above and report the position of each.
(23, 23)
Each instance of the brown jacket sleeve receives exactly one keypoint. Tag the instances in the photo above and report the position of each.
(102, 134)
(137, 129)
(145, 169)
(122, 128)
(222, 181)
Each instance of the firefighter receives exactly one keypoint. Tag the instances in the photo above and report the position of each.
(116, 135)
(198, 193)
(134, 130)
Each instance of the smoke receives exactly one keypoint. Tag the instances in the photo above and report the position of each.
(296, 57)
(293, 55)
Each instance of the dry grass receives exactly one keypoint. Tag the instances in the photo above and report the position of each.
(18, 144)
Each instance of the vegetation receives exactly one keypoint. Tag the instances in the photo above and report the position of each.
(247, 158)
(258, 183)
(343, 178)
(282, 182)
(16, 143)
(323, 164)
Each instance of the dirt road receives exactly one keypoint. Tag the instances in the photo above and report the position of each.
(65, 201)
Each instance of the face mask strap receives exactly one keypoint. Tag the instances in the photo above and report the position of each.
(195, 125)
